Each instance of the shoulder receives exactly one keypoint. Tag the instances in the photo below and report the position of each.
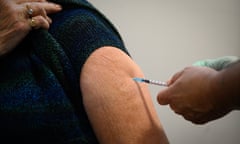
(86, 29)
(81, 31)
(82, 20)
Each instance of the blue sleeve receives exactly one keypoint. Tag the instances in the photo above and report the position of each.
(81, 31)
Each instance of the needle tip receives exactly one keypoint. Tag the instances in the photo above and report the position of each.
(138, 79)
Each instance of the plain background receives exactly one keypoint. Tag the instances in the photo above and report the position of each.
(164, 36)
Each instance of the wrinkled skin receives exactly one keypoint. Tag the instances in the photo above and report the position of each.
(15, 21)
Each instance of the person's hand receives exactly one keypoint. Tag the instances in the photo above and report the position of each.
(18, 17)
(193, 93)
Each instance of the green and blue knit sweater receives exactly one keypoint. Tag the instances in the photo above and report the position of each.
(40, 97)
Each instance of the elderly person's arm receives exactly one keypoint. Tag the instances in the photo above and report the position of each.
(120, 110)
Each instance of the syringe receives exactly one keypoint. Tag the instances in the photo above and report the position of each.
(154, 82)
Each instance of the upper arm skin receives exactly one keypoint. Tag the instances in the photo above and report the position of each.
(120, 110)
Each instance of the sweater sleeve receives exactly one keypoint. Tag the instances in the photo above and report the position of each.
(82, 31)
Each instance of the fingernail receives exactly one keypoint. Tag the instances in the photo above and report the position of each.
(58, 6)
(50, 21)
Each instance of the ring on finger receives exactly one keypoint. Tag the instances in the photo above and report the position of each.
(32, 23)
(29, 10)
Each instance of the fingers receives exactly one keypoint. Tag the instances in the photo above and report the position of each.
(39, 22)
(42, 13)
(164, 96)
(24, 1)
(42, 8)
(175, 77)
(37, 13)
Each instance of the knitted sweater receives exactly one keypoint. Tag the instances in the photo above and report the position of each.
(40, 97)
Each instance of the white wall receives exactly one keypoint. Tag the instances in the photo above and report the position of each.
(164, 36)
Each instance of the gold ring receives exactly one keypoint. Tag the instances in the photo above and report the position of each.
(29, 10)
(32, 23)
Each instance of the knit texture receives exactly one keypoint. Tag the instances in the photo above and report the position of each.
(40, 97)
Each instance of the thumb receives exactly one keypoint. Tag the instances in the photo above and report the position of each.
(163, 97)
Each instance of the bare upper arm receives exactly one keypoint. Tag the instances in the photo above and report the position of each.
(120, 110)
